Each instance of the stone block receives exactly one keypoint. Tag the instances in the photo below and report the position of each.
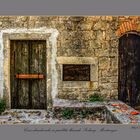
(104, 63)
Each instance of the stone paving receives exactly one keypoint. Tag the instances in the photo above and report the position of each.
(39, 117)
(115, 109)
(123, 113)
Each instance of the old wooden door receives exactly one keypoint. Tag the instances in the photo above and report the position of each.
(28, 74)
(129, 69)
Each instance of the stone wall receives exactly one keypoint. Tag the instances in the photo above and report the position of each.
(79, 37)
(93, 37)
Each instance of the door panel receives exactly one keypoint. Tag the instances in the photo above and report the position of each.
(38, 61)
(129, 69)
(28, 57)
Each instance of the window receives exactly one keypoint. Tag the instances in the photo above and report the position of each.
(76, 72)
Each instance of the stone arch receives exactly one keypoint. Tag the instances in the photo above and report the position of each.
(128, 27)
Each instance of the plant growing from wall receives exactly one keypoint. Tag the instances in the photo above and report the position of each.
(95, 97)
(2, 105)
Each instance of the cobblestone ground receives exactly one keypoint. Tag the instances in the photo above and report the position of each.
(41, 117)
(109, 112)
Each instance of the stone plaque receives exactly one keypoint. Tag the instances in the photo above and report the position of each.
(74, 72)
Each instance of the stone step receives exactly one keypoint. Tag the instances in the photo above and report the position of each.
(58, 103)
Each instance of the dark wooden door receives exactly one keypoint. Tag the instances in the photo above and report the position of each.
(129, 69)
(28, 74)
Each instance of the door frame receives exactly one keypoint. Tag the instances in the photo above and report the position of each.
(6, 62)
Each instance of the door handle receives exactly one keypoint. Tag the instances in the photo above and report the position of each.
(29, 76)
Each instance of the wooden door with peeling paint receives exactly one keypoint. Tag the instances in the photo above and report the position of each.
(28, 74)
(129, 69)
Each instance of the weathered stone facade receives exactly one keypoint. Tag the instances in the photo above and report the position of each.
(81, 40)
